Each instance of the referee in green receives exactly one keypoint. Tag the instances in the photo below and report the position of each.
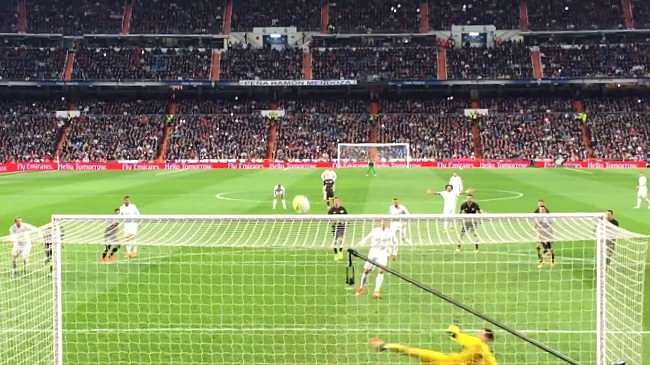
(371, 168)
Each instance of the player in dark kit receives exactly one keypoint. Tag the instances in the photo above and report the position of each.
(610, 241)
(110, 242)
(545, 232)
(328, 191)
(338, 228)
(469, 225)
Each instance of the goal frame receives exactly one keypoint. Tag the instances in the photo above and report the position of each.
(339, 160)
(600, 239)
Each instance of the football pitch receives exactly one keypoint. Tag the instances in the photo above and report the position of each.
(198, 305)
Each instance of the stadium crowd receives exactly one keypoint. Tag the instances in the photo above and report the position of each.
(141, 64)
(405, 63)
(316, 136)
(575, 14)
(27, 64)
(177, 17)
(244, 63)
(374, 16)
(531, 136)
(430, 136)
(74, 17)
(507, 60)
(303, 14)
(596, 60)
(224, 136)
(504, 14)
(113, 137)
(28, 137)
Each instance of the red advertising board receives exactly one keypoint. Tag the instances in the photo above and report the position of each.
(267, 164)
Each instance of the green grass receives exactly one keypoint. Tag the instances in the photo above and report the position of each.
(269, 306)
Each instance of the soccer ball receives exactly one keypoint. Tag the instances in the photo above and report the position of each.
(301, 204)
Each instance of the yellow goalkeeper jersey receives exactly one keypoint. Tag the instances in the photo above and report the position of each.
(474, 352)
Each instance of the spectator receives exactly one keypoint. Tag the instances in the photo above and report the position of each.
(28, 137)
(222, 136)
(113, 137)
(375, 16)
(620, 136)
(641, 11)
(508, 60)
(123, 107)
(75, 16)
(26, 64)
(575, 14)
(243, 63)
(178, 17)
(9, 18)
(142, 64)
(303, 14)
(407, 63)
(504, 14)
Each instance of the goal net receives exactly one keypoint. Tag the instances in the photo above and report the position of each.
(383, 154)
(267, 290)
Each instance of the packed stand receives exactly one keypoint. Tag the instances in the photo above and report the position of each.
(432, 105)
(75, 16)
(217, 105)
(431, 136)
(142, 64)
(28, 64)
(504, 14)
(620, 136)
(375, 16)
(30, 107)
(28, 137)
(177, 17)
(303, 14)
(123, 107)
(217, 137)
(316, 136)
(508, 60)
(530, 136)
(244, 63)
(641, 12)
(407, 63)
(619, 127)
(113, 137)
(575, 14)
(594, 61)
(325, 105)
(9, 18)
(524, 104)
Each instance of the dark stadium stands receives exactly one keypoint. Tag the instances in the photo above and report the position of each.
(75, 16)
(504, 14)
(113, 137)
(177, 17)
(315, 136)
(374, 16)
(141, 64)
(509, 60)
(430, 136)
(248, 64)
(575, 14)
(9, 15)
(31, 63)
(303, 14)
(223, 136)
(407, 63)
(28, 137)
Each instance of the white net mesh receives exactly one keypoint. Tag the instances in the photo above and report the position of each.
(383, 154)
(265, 290)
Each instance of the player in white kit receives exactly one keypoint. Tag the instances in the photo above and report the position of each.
(279, 193)
(130, 228)
(20, 233)
(398, 227)
(642, 191)
(457, 183)
(449, 199)
(382, 244)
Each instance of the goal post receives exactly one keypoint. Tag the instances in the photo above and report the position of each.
(383, 154)
(265, 289)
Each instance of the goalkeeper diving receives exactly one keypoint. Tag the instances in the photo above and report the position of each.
(475, 349)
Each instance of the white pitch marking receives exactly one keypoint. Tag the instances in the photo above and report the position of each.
(515, 195)
(223, 196)
(582, 171)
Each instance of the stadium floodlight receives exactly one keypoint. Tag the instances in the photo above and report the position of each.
(383, 154)
(263, 289)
